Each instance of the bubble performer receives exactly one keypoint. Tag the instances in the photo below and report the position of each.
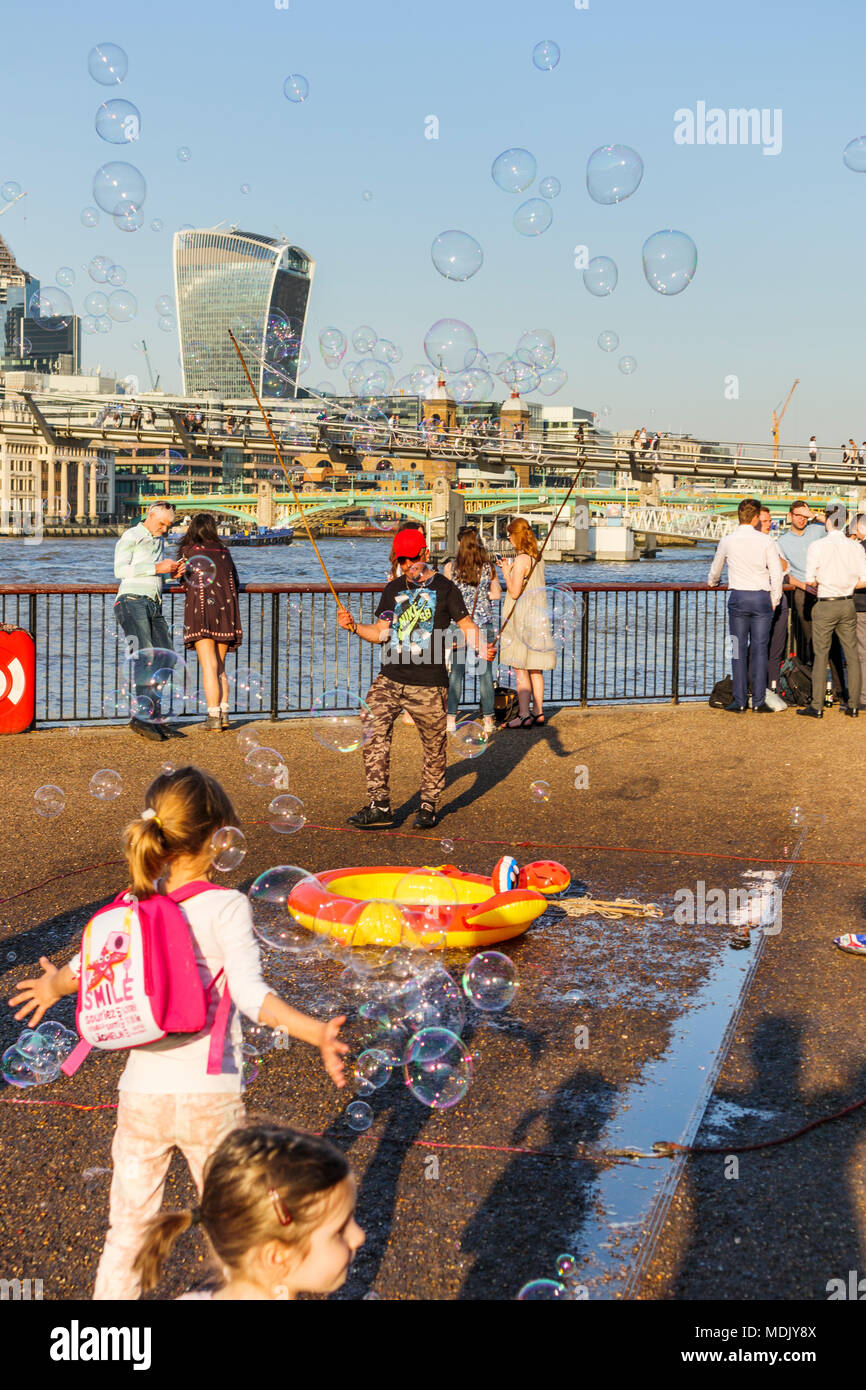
(172, 1093)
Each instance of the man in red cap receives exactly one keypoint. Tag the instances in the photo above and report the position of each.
(414, 613)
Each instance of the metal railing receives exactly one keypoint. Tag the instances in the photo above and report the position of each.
(616, 643)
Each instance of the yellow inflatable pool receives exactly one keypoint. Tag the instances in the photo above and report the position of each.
(360, 905)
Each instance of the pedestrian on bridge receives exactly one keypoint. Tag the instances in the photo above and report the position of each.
(140, 566)
(754, 591)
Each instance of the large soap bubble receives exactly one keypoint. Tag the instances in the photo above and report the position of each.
(600, 276)
(332, 345)
(65, 276)
(364, 338)
(228, 847)
(107, 64)
(265, 767)
(438, 1068)
(533, 217)
(118, 186)
(608, 341)
(456, 255)
(469, 739)
(286, 815)
(514, 170)
(157, 679)
(116, 276)
(550, 187)
(9, 191)
(296, 88)
(543, 1291)
(98, 269)
(613, 173)
(106, 784)
(854, 155)
(545, 55)
(52, 308)
(95, 302)
(490, 981)
(670, 260)
(118, 122)
(122, 306)
(537, 347)
(450, 345)
(342, 721)
(89, 217)
(49, 801)
(272, 922)
(552, 381)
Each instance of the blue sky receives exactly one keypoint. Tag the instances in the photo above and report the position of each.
(778, 289)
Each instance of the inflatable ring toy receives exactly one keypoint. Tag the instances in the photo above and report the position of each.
(359, 907)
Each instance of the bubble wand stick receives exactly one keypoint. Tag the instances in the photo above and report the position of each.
(285, 470)
(537, 559)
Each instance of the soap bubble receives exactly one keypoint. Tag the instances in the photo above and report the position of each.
(272, 921)
(52, 308)
(438, 1068)
(797, 816)
(613, 173)
(545, 55)
(89, 217)
(456, 255)
(117, 276)
(539, 1290)
(265, 767)
(537, 348)
(425, 888)
(286, 815)
(107, 64)
(469, 739)
(371, 1070)
(471, 385)
(249, 1070)
(533, 217)
(490, 981)
(103, 323)
(118, 122)
(65, 276)
(359, 1116)
(608, 341)
(183, 154)
(16, 1070)
(228, 846)
(332, 345)
(600, 276)
(118, 186)
(627, 365)
(296, 87)
(166, 325)
(550, 187)
(156, 224)
(245, 188)
(552, 381)
(854, 155)
(342, 721)
(514, 170)
(248, 685)
(88, 324)
(159, 677)
(122, 306)
(49, 801)
(96, 302)
(364, 338)
(200, 571)
(539, 791)
(165, 305)
(98, 270)
(450, 345)
(62, 1041)
(128, 217)
(9, 191)
(247, 739)
(106, 784)
(367, 196)
(387, 352)
(670, 260)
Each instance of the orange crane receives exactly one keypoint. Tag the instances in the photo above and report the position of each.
(777, 420)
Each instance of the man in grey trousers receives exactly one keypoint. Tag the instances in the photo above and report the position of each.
(836, 565)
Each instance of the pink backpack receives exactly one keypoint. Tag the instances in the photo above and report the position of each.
(139, 978)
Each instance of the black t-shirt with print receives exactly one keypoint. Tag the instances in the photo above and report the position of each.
(422, 614)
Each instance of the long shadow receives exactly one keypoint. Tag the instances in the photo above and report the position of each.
(781, 1224)
(538, 1203)
(58, 938)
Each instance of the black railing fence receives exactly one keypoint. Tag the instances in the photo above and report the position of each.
(615, 643)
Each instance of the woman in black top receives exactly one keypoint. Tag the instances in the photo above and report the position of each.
(211, 618)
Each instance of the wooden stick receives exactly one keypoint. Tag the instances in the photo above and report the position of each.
(298, 503)
(537, 559)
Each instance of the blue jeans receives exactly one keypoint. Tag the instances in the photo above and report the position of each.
(485, 675)
(750, 616)
(142, 621)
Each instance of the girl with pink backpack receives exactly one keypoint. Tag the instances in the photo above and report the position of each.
(160, 980)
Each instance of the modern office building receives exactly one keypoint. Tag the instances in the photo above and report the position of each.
(44, 345)
(257, 287)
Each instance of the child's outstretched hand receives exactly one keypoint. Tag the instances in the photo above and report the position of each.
(37, 995)
(333, 1051)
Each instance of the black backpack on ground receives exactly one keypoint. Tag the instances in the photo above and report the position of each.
(723, 693)
(795, 682)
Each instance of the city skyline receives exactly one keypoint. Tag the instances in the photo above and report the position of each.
(775, 221)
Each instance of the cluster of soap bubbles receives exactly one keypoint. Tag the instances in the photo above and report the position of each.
(37, 1055)
(342, 721)
(49, 801)
(266, 767)
(407, 1012)
(513, 171)
(566, 1285)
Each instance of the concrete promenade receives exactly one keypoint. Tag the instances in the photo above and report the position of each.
(472, 1202)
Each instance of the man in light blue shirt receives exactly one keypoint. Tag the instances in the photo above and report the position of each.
(140, 566)
(806, 526)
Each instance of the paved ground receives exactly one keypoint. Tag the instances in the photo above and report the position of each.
(674, 796)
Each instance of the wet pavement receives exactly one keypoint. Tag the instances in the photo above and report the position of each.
(613, 1041)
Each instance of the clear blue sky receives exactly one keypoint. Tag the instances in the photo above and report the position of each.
(779, 287)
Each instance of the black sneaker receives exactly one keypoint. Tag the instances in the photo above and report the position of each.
(149, 731)
(426, 819)
(811, 712)
(372, 818)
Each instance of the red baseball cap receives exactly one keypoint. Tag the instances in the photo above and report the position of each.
(409, 543)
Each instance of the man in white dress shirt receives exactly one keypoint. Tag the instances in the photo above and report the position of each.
(837, 565)
(754, 591)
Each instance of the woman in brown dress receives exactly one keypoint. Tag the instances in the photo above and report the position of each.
(211, 618)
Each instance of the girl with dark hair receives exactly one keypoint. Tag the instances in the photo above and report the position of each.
(473, 572)
(211, 618)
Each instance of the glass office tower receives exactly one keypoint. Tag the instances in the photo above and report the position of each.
(253, 285)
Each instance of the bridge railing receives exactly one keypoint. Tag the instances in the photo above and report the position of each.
(616, 643)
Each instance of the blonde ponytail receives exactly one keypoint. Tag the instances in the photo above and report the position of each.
(182, 810)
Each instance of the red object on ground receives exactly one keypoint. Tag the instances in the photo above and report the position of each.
(17, 681)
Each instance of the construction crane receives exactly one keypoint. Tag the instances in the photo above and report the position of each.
(13, 202)
(777, 420)
(153, 384)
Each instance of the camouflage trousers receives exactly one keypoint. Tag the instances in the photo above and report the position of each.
(426, 704)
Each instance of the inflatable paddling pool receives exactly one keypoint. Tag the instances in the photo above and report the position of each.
(359, 905)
